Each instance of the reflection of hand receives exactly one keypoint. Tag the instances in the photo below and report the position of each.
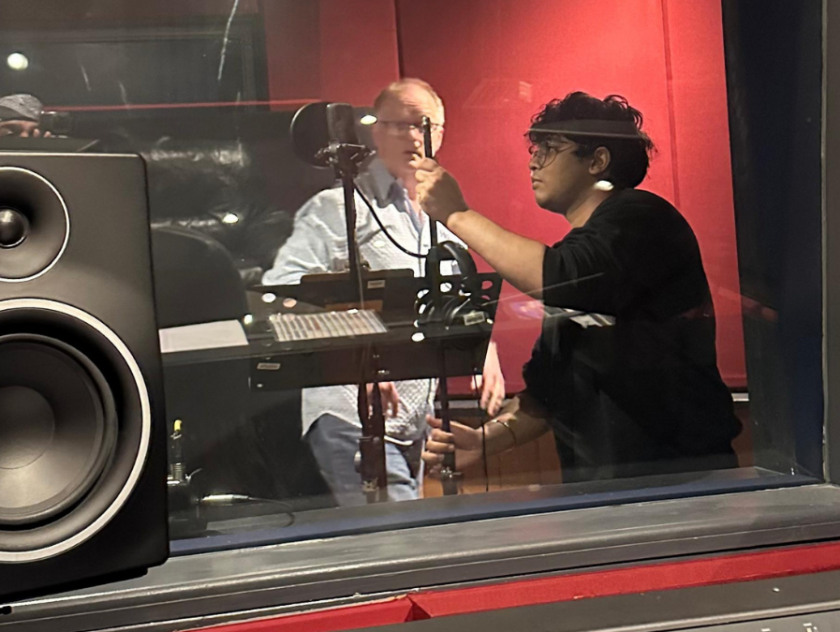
(390, 398)
(35, 133)
(491, 382)
(437, 191)
(463, 440)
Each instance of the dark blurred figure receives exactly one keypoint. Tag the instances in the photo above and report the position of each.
(20, 115)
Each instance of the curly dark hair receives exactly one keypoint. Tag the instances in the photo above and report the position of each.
(629, 158)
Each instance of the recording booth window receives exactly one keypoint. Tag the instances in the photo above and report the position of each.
(605, 288)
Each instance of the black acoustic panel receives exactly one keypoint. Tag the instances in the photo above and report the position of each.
(774, 74)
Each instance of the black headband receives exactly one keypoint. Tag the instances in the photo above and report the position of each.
(583, 127)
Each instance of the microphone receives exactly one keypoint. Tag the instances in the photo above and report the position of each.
(324, 135)
(321, 131)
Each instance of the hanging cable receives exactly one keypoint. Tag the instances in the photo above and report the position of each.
(385, 230)
(484, 420)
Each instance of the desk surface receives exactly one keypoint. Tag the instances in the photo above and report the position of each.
(403, 352)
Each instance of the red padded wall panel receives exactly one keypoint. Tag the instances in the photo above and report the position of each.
(358, 49)
(332, 50)
(700, 137)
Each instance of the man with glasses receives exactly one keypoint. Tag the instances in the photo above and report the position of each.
(318, 244)
(625, 371)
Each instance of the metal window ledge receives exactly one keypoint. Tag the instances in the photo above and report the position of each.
(223, 585)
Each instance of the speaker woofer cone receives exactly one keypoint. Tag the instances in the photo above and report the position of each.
(58, 426)
(107, 451)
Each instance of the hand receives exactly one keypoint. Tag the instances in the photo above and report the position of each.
(463, 440)
(491, 382)
(390, 398)
(437, 191)
(35, 133)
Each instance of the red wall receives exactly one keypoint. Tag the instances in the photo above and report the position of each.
(495, 62)
(700, 136)
(332, 50)
(291, 48)
(358, 49)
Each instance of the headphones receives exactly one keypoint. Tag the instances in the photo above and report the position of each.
(465, 294)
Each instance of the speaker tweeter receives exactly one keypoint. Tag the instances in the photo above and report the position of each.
(34, 224)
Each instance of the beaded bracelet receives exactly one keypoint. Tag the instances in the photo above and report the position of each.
(506, 425)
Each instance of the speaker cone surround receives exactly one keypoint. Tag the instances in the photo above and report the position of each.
(74, 427)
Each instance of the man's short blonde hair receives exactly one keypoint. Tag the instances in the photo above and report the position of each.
(396, 88)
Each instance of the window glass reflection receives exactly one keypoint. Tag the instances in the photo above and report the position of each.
(608, 203)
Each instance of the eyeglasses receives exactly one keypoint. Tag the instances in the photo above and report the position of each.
(400, 128)
(543, 154)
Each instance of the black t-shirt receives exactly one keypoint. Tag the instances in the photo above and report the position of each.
(626, 363)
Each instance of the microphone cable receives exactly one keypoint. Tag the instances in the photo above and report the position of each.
(416, 255)
(229, 500)
(390, 237)
(485, 418)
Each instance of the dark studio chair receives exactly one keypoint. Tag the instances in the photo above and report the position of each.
(196, 188)
(197, 281)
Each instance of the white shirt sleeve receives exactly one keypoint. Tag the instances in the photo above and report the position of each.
(309, 249)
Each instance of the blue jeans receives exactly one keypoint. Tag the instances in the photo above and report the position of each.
(334, 443)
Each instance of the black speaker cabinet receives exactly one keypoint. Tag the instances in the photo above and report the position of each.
(82, 438)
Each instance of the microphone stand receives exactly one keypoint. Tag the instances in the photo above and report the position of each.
(448, 474)
(345, 159)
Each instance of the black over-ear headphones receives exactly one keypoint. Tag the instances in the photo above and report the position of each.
(464, 295)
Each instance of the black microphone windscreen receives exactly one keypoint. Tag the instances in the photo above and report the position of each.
(310, 133)
(316, 125)
(341, 123)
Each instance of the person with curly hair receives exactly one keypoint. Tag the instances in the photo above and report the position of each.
(625, 371)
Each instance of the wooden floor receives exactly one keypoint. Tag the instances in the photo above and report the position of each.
(537, 463)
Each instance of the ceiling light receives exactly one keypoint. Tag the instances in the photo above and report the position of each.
(17, 61)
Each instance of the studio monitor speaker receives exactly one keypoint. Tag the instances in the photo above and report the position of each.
(82, 442)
